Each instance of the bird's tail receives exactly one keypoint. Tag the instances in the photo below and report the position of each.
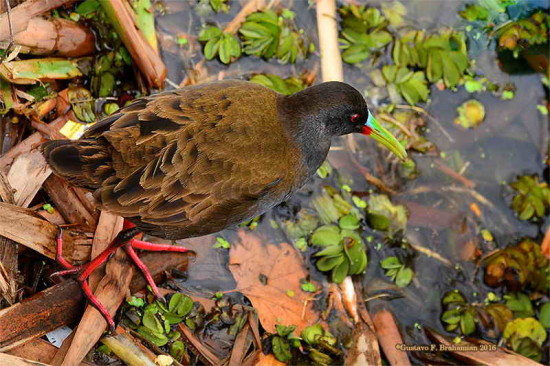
(84, 163)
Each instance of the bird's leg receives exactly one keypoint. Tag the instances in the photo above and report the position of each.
(124, 239)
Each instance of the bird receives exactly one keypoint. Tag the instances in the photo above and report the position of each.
(194, 161)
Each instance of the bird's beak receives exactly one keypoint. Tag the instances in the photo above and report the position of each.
(373, 129)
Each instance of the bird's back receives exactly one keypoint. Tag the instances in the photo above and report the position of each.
(187, 162)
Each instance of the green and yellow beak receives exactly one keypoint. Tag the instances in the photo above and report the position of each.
(375, 130)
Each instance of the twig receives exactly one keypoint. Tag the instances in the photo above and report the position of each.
(451, 173)
(431, 254)
(250, 7)
(204, 353)
(424, 112)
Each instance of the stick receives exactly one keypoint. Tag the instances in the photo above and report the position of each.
(107, 229)
(389, 337)
(145, 57)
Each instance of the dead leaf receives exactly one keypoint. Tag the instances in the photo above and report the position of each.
(267, 274)
(268, 360)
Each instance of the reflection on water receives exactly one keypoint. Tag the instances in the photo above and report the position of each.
(511, 141)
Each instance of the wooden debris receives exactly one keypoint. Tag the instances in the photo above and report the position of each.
(31, 142)
(26, 175)
(250, 7)
(128, 350)
(206, 354)
(145, 57)
(23, 13)
(56, 36)
(451, 173)
(68, 202)
(389, 337)
(108, 227)
(479, 352)
(37, 350)
(364, 350)
(47, 310)
(38, 234)
(6, 359)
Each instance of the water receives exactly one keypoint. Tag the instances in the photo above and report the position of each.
(511, 141)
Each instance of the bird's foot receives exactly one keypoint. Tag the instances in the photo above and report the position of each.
(124, 239)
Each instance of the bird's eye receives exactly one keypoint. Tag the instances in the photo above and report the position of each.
(355, 118)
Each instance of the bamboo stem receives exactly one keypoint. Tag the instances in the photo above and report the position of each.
(331, 62)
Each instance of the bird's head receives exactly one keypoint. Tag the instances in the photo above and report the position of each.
(340, 109)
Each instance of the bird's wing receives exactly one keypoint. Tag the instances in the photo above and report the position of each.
(197, 154)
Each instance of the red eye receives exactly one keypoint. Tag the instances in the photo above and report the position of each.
(355, 118)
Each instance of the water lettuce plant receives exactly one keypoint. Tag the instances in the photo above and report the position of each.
(218, 43)
(363, 32)
(266, 34)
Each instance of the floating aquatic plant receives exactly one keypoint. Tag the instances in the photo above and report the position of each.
(525, 336)
(470, 114)
(524, 33)
(383, 215)
(267, 35)
(344, 252)
(532, 198)
(286, 86)
(443, 55)
(397, 271)
(218, 43)
(412, 86)
(518, 266)
(363, 32)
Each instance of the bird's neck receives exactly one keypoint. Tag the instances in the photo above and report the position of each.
(300, 117)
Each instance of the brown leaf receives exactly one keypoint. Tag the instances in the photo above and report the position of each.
(282, 267)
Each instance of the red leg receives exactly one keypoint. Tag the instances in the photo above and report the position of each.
(124, 238)
(151, 247)
(59, 251)
(98, 305)
(132, 253)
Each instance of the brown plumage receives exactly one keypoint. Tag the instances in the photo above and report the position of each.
(194, 161)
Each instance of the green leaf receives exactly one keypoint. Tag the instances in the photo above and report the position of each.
(284, 330)
(524, 328)
(340, 272)
(151, 322)
(520, 304)
(177, 350)
(308, 287)
(209, 33)
(467, 323)
(325, 264)
(452, 316)
(180, 304)
(544, 315)
(349, 222)
(211, 48)
(281, 349)
(404, 277)
(157, 338)
(87, 7)
(325, 235)
(391, 262)
(136, 301)
(312, 334)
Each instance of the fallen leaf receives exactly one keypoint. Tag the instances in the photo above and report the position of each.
(251, 260)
